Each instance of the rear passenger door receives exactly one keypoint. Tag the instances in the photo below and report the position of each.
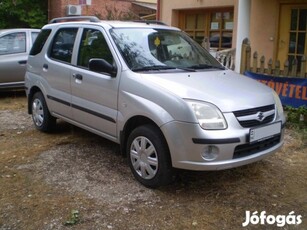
(94, 95)
(57, 71)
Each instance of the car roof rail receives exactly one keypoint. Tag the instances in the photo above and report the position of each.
(151, 22)
(75, 18)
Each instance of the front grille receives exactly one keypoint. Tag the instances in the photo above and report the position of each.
(254, 122)
(249, 149)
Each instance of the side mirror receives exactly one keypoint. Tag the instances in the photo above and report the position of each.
(102, 66)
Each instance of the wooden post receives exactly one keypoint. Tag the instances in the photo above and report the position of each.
(303, 67)
(255, 62)
(277, 68)
(286, 68)
(245, 44)
(248, 58)
(270, 64)
(262, 61)
(294, 68)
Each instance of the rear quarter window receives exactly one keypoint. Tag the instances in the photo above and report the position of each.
(40, 42)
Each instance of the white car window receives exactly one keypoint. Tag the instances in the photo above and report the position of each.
(13, 43)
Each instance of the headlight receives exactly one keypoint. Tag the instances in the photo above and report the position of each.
(278, 105)
(208, 115)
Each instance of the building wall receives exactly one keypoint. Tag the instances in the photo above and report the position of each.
(264, 27)
(167, 7)
(147, 1)
(102, 9)
(263, 22)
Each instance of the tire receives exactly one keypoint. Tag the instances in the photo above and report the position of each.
(148, 157)
(41, 116)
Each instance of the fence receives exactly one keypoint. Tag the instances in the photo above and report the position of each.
(226, 57)
(251, 63)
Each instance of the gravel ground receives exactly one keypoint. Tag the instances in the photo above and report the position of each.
(44, 178)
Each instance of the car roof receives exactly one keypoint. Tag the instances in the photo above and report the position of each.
(3, 31)
(111, 23)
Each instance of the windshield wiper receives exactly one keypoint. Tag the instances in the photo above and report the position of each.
(153, 67)
(206, 66)
(162, 67)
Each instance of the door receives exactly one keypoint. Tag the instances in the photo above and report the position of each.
(94, 95)
(292, 33)
(13, 57)
(57, 71)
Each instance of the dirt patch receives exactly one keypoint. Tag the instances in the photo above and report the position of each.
(44, 177)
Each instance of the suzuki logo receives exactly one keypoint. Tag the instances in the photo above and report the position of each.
(260, 116)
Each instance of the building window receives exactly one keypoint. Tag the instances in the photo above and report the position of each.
(217, 25)
(221, 26)
(298, 36)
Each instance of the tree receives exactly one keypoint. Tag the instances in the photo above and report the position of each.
(23, 13)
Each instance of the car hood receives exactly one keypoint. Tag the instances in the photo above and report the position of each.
(228, 90)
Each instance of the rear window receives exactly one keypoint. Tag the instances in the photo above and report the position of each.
(40, 42)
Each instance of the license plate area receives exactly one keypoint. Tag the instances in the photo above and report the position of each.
(264, 132)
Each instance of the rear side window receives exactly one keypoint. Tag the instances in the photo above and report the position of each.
(63, 44)
(13, 43)
(39, 42)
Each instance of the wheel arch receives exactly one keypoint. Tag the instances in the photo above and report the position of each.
(133, 123)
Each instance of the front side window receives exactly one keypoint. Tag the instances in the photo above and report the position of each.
(13, 43)
(63, 43)
(162, 49)
(93, 45)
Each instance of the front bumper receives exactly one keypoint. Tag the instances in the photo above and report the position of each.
(187, 142)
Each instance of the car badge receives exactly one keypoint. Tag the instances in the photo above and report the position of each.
(260, 116)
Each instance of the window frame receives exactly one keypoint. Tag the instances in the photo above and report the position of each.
(52, 43)
(206, 14)
(80, 40)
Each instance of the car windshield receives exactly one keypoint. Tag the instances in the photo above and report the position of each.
(147, 49)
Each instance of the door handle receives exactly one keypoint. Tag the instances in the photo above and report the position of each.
(77, 76)
(22, 62)
(45, 66)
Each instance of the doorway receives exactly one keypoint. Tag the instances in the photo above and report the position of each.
(292, 33)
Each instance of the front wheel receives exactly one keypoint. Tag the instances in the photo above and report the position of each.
(41, 116)
(149, 157)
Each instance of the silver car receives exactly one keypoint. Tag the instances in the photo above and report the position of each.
(15, 45)
(153, 90)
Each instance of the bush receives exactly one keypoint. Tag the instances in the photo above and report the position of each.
(296, 117)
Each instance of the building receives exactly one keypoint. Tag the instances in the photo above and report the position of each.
(104, 9)
(276, 28)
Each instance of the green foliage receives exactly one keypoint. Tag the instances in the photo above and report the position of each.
(297, 117)
(23, 13)
(74, 218)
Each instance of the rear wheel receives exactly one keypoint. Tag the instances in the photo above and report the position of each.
(41, 116)
(149, 157)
